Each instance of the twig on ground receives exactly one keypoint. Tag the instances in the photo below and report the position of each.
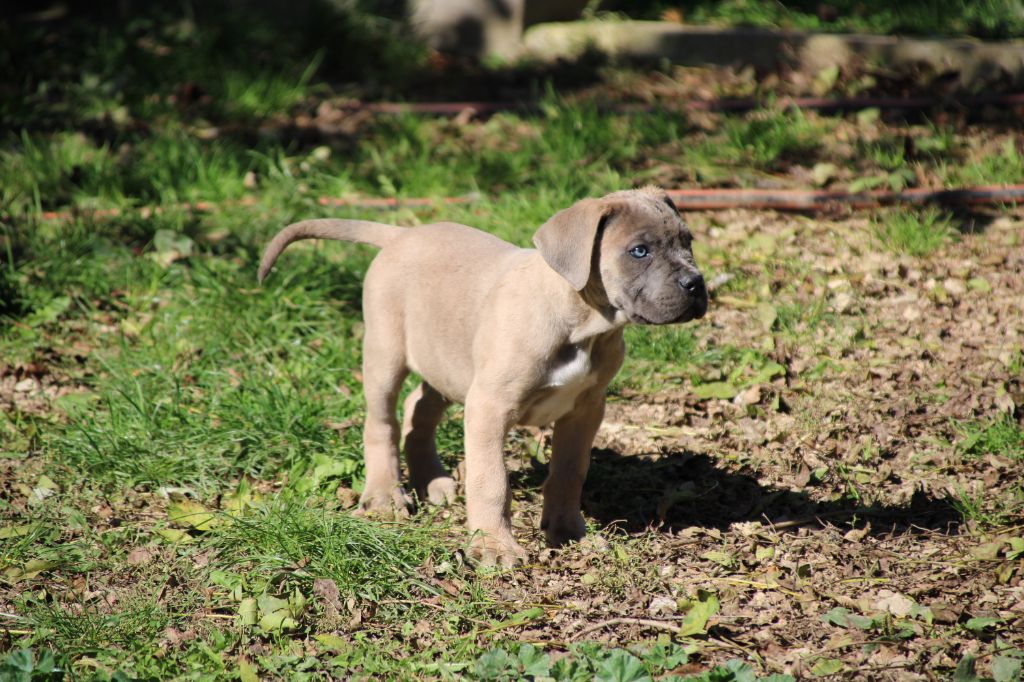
(759, 585)
(729, 643)
(816, 518)
(555, 643)
(643, 622)
(416, 602)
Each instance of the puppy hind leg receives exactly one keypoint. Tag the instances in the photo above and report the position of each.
(384, 371)
(424, 410)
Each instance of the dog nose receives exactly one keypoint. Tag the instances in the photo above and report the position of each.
(692, 283)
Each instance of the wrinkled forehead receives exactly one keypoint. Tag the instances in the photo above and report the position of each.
(647, 214)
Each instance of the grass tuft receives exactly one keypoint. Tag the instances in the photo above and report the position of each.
(365, 559)
(766, 138)
(915, 234)
(80, 629)
(1005, 167)
(1001, 436)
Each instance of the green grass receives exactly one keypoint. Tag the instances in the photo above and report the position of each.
(247, 98)
(997, 19)
(78, 630)
(764, 139)
(568, 152)
(106, 66)
(1005, 166)
(190, 377)
(984, 511)
(367, 561)
(45, 172)
(523, 661)
(919, 233)
(1003, 436)
(594, 662)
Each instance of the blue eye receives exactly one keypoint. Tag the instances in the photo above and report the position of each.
(639, 251)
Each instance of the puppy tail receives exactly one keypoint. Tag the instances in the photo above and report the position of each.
(362, 231)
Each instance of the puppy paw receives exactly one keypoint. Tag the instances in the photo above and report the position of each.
(496, 550)
(440, 491)
(561, 530)
(391, 502)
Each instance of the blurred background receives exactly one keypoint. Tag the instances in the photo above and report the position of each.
(151, 102)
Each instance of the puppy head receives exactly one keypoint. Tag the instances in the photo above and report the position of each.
(635, 248)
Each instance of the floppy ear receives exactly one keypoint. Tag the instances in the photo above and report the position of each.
(567, 239)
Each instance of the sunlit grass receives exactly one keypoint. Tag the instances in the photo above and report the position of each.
(915, 233)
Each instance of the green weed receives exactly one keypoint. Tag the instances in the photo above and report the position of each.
(675, 346)
(766, 138)
(43, 173)
(80, 629)
(1001, 436)
(108, 64)
(366, 560)
(888, 154)
(978, 508)
(592, 661)
(799, 320)
(986, 19)
(1005, 167)
(915, 234)
(23, 665)
(257, 98)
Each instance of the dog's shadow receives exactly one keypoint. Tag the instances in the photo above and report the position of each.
(681, 489)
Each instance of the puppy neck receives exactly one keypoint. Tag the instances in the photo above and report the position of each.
(601, 316)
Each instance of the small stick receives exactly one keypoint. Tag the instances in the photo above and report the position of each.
(645, 622)
(759, 585)
(731, 643)
(864, 511)
(415, 602)
(546, 642)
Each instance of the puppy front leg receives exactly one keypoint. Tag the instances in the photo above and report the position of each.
(488, 497)
(573, 437)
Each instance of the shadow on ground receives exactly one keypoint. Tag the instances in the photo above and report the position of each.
(682, 489)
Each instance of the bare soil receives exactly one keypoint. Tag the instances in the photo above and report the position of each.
(842, 494)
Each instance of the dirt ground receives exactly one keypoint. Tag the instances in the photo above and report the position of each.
(835, 485)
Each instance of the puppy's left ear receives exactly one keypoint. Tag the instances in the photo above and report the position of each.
(567, 239)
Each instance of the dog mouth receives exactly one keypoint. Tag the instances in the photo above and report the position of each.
(698, 308)
(694, 311)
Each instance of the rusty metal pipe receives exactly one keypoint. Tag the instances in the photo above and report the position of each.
(719, 105)
(797, 200)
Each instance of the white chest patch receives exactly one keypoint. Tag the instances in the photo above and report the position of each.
(570, 376)
(571, 372)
